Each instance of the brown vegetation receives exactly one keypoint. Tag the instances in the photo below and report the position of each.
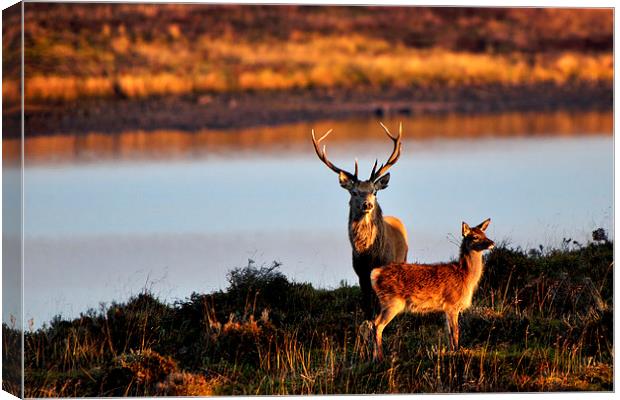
(135, 51)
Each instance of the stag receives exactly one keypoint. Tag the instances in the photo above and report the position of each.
(376, 240)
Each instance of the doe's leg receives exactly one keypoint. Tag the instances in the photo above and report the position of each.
(387, 314)
(452, 321)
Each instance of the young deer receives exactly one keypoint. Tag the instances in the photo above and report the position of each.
(376, 240)
(421, 288)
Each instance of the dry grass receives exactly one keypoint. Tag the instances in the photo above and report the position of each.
(75, 51)
(115, 62)
(135, 68)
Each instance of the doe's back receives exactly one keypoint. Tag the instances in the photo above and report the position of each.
(421, 288)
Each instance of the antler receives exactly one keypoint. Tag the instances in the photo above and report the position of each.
(393, 157)
(323, 156)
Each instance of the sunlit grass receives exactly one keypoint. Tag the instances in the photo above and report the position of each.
(136, 68)
(533, 327)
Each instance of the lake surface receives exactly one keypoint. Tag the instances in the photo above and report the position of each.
(109, 215)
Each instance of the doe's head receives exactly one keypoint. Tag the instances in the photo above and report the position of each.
(475, 238)
(363, 192)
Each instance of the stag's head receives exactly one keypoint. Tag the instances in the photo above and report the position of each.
(363, 192)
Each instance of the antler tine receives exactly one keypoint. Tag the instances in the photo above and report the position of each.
(400, 131)
(324, 136)
(374, 168)
(356, 168)
(395, 152)
(323, 155)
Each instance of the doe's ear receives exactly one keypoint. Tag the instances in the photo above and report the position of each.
(484, 224)
(382, 182)
(345, 181)
(466, 229)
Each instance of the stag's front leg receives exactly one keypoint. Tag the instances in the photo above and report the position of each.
(366, 296)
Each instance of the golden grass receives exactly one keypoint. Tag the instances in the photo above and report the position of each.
(66, 88)
(10, 89)
(142, 86)
(143, 68)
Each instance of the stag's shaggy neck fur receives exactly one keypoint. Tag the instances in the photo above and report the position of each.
(366, 230)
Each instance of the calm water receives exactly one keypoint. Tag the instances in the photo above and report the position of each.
(106, 216)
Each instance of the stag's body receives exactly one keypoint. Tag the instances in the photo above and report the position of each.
(375, 240)
(422, 288)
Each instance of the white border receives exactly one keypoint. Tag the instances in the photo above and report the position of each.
(454, 3)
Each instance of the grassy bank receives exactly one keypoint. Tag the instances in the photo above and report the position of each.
(316, 62)
(541, 321)
(138, 51)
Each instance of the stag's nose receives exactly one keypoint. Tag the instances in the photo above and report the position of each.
(491, 245)
(367, 206)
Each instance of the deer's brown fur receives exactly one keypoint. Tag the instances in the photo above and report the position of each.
(386, 236)
(421, 288)
(397, 237)
(375, 241)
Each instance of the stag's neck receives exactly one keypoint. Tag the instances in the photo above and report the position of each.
(471, 263)
(366, 231)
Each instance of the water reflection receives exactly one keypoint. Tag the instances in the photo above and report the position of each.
(140, 145)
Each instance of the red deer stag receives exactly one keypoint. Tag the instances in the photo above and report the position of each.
(376, 240)
(421, 288)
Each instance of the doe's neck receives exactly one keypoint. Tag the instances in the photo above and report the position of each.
(471, 261)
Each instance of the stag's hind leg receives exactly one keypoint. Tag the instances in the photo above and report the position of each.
(389, 310)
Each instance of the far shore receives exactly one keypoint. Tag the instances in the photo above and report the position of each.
(239, 110)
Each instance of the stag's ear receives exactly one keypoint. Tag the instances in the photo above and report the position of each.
(345, 181)
(484, 224)
(382, 182)
(466, 229)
